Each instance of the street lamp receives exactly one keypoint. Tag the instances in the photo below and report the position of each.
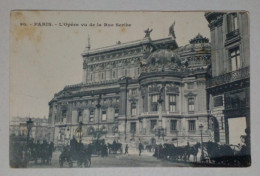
(160, 130)
(202, 152)
(80, 130)
(98, 108)
(29, 125)
(69, 135)
(126, 86)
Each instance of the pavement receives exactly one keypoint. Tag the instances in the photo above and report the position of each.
(117, 160)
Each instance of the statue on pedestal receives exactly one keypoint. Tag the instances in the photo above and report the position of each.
(147, 32)
(171, 30)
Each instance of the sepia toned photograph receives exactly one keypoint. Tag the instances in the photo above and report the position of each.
(97, 89)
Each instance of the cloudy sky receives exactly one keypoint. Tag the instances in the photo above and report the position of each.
(44, 59)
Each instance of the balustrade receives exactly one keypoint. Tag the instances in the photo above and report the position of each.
(229, 77)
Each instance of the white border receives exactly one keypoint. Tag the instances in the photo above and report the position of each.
(170, 5)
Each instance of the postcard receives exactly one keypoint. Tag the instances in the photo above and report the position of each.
(98, 89)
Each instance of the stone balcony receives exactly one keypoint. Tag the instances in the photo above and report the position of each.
(240, 74)
(232, 34)
(156, 113)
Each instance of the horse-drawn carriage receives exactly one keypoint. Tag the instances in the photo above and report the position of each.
(76, 152)
(115, 147)
(173, 153)
(41, 152)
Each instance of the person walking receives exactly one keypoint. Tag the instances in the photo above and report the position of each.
(140, 148)
(126, 149)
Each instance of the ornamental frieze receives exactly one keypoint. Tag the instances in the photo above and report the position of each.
(154, 88)
(190, 94)
(172, 89)
(116, 63)
(114, 55)
(133, 99)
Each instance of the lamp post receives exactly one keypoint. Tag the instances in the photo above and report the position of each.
(161, 130)
(98, 108)
(29, 125)
(126, 86)
(202, 152)
(80, 130)
(69, 135)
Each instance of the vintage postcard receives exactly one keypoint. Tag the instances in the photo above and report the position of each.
(129, 89)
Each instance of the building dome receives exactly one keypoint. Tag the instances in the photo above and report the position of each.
(163, 57)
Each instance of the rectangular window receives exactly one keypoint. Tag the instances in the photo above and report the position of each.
(114, 74)
(222, 123)
(125, 72)
(192, 126)
(191, 85)
(153, 124)
(116, 114)
(104, 116)
(91, 77)
(172, 103)
(134, 91)
(234, 55)
(79, 116)
(173, 125)
(133, 109)
(102, 76)
(218, 101)
(91, 116)
(64, 113)
(154, 102)
(155, 98)
(232, 22)
(133, 127)
(191, 104)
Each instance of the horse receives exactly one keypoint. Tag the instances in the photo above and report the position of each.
(114, 147)
(193, 150)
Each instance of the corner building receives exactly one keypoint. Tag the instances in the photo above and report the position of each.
(228, 86)
(147, 90)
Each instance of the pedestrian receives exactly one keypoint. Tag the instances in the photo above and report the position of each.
(126, 149)
(140, 148)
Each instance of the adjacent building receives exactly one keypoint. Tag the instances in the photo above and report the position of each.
(229, 85)
(147, 90)
(40, 130)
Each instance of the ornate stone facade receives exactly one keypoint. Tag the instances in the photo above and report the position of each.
(148, 90)
(230, 77)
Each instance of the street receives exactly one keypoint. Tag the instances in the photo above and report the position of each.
(118, 160)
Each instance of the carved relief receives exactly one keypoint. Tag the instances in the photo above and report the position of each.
(172, 89)
(154, 88)
(133, 99)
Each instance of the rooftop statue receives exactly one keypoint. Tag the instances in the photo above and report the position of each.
(147, 32)
(171, 30)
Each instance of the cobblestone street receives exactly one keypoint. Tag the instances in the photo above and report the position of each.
(119, 160)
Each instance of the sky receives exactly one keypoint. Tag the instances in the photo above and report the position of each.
(44, 58)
